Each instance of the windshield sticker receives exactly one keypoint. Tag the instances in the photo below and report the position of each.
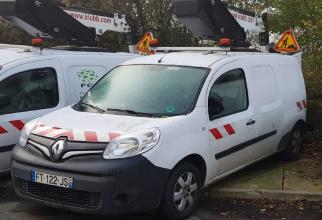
(171, 109)
(87, 77)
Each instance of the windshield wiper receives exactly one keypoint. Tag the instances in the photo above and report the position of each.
(93, 107)
(129, 112)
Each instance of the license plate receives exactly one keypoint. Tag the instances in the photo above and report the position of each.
(52, 180)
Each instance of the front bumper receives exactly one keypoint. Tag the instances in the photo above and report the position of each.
(105, 187)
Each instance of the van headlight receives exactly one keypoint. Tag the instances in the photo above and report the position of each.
(26, 132)
(132, 144)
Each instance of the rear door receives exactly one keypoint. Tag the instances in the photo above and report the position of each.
(231, 118)
(30, 90)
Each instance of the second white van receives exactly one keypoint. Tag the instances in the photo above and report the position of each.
(34, 82)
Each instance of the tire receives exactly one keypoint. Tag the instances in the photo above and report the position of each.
(181, 193)
(293, 148)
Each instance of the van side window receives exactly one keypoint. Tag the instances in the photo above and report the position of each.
(30, 90)
(228, 95)
(266, 83)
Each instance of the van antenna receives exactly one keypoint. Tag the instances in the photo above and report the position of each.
(161, 59)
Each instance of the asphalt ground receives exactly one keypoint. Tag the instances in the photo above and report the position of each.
(14, 208)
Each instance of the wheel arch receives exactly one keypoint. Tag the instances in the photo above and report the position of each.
(197, 161)
(301, 124)
(284, 140)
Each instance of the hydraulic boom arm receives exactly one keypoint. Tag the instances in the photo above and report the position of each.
(46, 19)
(213, 19)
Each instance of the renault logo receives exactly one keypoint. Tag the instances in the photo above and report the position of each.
(57, 148)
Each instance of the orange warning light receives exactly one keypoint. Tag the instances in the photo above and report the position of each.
(37, 42)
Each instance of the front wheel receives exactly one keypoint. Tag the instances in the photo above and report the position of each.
(182, 192)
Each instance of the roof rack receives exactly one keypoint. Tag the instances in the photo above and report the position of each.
(17, 48)
(178, 49)
(81, 49)
(205, 49)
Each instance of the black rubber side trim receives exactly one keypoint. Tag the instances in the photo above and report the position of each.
(8, 148)
(243, 145)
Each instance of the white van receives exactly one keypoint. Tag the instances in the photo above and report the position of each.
(34, 82)
(156, 130)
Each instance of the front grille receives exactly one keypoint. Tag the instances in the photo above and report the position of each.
(61, 196)
(71, 148)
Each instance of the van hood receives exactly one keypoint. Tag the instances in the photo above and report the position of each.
(91, 127)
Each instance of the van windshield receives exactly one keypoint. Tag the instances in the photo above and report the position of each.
(146, 90)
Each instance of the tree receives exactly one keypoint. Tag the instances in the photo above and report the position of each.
(9, 34)
(305, 17)
(143, 15)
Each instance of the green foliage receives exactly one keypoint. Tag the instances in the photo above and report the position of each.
(305, 17)
(153, 15)
(9, 34)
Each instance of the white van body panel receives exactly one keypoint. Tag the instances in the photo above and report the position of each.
(245, 137)
(67, 65)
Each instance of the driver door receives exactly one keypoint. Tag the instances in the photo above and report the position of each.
(27, 91)
(231, 119)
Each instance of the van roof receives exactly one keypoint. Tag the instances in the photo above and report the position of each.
(10, 53)
(195, 59)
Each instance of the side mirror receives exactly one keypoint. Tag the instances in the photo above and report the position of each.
(5, 100)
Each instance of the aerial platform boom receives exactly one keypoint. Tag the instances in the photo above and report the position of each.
(213, 20)
(46, 19)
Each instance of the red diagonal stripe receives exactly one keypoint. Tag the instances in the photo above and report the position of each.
(113, 135)
(299, 105)
(91, 136)
(304, 103)
(68, 134)
(216, 133)
(230, 130)
(2, 130)
(17, 124)
(45, 132)
(37, 126)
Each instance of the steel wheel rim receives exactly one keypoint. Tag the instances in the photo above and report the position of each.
(185, 191)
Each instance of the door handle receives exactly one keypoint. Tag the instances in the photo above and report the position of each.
(251, 122)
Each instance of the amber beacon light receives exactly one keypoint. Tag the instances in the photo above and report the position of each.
(37, 42)
(225, 42)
